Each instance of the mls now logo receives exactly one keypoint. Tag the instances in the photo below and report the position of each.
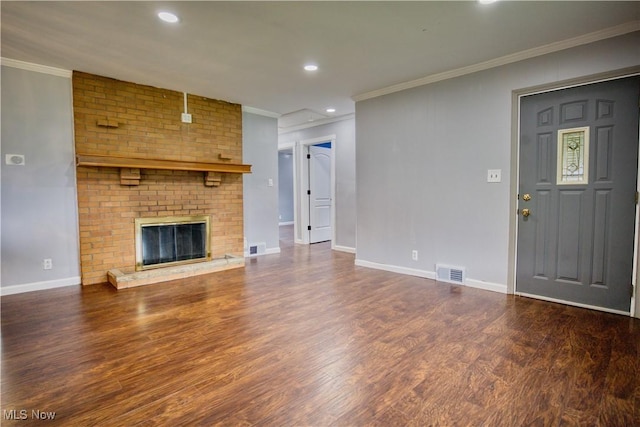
(23, 414)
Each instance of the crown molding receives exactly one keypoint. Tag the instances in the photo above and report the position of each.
(618, 30)
(14, 63)
(260, 112)
(316, 123)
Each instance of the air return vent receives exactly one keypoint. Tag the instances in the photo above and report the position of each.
(450, 274)
(256, 249)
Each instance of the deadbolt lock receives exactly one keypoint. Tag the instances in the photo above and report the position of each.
(526, 212)
(526, 197)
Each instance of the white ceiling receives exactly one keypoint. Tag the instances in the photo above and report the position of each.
(252, 53)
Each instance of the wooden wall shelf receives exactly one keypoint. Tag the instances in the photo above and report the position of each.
(123, 162)
(130, 167)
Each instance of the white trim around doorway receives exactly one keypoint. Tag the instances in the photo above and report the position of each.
(301, 210)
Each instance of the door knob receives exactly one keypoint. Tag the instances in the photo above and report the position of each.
(526, 212)
(526, 197)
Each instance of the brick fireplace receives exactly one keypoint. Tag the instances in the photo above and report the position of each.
(122, 122)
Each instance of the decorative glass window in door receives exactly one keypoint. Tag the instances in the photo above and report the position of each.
(573, 156)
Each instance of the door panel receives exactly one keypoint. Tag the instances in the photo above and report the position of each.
(541, 233)
(603, 153)
(600, 237)
(569, 233)
(545, 148)
(577, 243)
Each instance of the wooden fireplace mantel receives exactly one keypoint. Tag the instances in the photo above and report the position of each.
(130, 167)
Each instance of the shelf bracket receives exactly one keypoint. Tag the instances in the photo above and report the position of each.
(212, 179)
(129, 176)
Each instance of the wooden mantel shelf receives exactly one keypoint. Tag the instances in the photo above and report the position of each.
(133, 163)
(130, 167)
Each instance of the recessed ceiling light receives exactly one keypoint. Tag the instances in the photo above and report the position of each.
(168, 17)
(331, 110)
(311, 67)
(487, 1)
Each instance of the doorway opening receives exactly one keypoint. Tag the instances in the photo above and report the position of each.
(286, 206)
(314, 166)
(285, 187)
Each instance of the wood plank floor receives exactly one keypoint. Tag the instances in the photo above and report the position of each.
(305, 338)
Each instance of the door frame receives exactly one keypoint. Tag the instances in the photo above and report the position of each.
(301, 184)
(516, 96)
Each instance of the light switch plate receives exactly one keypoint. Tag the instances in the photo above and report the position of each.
(494, 175)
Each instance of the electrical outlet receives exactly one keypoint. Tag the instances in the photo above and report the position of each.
(414, 255)
(47, 264)
(494, 175)
(186, 118)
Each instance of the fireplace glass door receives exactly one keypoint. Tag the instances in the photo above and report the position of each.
(169, 242)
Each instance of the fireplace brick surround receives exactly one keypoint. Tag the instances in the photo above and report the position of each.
(123, 119)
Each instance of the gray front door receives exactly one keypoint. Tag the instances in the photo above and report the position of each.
(578, 173)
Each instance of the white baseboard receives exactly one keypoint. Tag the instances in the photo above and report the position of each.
(39, 286)
(267, 251)
(344, 249)
(397, 269)
(286, 223)
(488, 286)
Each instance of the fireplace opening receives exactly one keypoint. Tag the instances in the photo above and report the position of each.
(161, 242)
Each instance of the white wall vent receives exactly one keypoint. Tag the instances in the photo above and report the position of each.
(450, 274)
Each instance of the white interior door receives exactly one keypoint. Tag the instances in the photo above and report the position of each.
(319, 194)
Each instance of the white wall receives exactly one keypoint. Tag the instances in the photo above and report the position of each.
(260, 149)
(344, 152)
(39, 215)
(422, 157)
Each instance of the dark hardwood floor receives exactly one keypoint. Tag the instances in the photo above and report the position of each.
(305, 338)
